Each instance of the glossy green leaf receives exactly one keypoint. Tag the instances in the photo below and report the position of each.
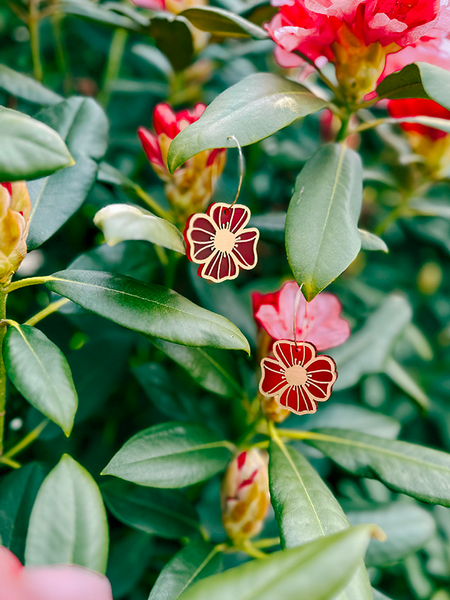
(99, 14)
(378, 595)
(129, 560)
(18, 492)
(407, 526)
(122, 222)
(194, 562)
(223, 22)
(26, 88)
(170, 455)
(406, 383)
(68, 522)
(306, 509)
(39, 370)
(166, 513)
(419, 80)
(147, 308)
(250, 110)
(370, 241)
(294, 574)
(83, 125)
(29, 149)
(322, 237)
(368, 350)
(212, 369)
(407, 468)
(173, 37)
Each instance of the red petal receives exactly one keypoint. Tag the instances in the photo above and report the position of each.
(245, 248)
(283, 351)
(272, 378)
(151, 147)
(220, 267)
(165, 120)
(304, 352)
(295, 400)
(197, 235)
(8, 186)
(322, 375)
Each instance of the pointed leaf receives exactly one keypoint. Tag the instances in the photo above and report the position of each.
(166, 513)
(147, 308)
(223, 22)
(306, 509)
(251, 110)
(68, 522)
(26, 88)
(83, 125)
(295, 574)
(29, 149)
(405, 382)
(39, 370)
(170, 455)
(322, 237)
(407, 468)
(370, 241)
(122, 222)
(194, 562)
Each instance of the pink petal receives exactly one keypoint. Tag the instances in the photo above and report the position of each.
(61, 582)
(272, 378)
(245, 248)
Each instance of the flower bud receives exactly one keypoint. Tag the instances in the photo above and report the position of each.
(190, 187)
(15, 209)
(245, 495)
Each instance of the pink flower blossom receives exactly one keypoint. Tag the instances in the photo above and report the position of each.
(55, 582)
(318, 321)
(296, 377)
(412, 107)
(219, 242)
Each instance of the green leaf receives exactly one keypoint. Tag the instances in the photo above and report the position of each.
(194, 562)
(283, 574)
(378, 595)
(223, 23)
(26, 88)
(29, 149)
(251, 110)
(368, 349)
(18, 491)
(128, 562)
(83, 125)
(322, 236)
(442, 124)
(173, 37)
(166, 513)
(39, 370)
(212, 369)
(419, 80)
(306, 509)
(271, 226)
(99, 14)
(370, 241)
(68, 522)
(170, 455)
(405, 382)
(122, 222)
(407, 468)
(408, 527)
(147, 308)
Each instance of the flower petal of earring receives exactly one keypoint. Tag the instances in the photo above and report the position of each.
(219, 241)
(296, 376)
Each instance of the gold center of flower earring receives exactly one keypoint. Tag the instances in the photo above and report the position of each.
(224, 241)
(296, 375)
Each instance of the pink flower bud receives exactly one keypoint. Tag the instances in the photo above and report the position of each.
(15, 209)
(245, 495)
(190, 187)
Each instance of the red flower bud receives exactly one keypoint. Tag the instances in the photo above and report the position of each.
(15, 209)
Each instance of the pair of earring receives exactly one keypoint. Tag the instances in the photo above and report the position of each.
(221, 244)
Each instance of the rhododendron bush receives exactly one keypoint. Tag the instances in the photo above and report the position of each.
(224, 300)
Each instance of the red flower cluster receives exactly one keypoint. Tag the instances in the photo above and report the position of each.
(190, 188)
(354, 34)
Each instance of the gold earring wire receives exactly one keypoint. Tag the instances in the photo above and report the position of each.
(241, 168)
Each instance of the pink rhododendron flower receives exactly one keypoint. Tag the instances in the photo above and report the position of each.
(219, 242)
(190, 188)
(355, 35)
(318, 321)
(296, 377)
(55, 582)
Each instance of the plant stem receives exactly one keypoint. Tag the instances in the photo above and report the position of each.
(116, 51)
(26, 282)
(267, 542)
(3, 297)
(151, 203)
(10, 463)
(26, 441)
(51, 308)
(61, 56)
(324, 78)
(33, 25)
(252, 550)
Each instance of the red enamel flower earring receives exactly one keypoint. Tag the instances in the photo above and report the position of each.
(219, 241)
(296, 376)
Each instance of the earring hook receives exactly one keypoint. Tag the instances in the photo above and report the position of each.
(241, 168)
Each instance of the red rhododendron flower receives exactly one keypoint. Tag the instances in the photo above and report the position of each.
(413, 107)
(219, 242)
(55, 582)
(296, 377)
(318, 321)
